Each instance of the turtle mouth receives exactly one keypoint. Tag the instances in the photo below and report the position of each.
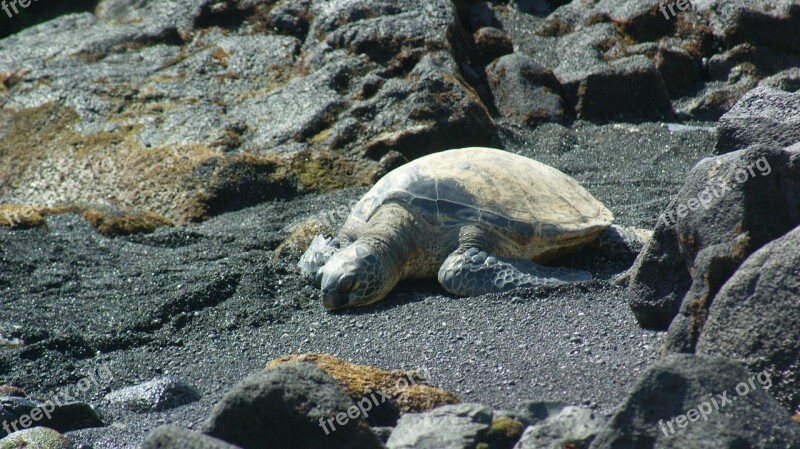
(332, 299)
(336, 290)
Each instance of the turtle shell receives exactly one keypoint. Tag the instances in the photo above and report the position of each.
(525, 200)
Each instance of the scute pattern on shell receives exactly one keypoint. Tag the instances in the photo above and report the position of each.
(517, 196)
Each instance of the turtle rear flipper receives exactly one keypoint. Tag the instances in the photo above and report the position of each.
(318, 253)
(474, 272)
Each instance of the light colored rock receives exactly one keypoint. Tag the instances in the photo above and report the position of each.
(574, 427)
(449, 427)
(36, 438)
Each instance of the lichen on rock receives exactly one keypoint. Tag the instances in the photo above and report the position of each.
(410, 389)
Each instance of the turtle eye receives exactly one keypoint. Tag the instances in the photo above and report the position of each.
(345, 283)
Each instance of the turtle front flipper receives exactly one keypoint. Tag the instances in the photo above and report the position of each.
(474, 272)
(316, 256)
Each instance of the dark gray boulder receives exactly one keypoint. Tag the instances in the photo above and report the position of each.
(787, 80)
(755, 318)
(690, 401)
(450, 427)
(679, 68)
(717, 97)
(525, 91)
(156, 395)
(538, 7)
(730, 206)
(638, 19)
(580, 55)
(24, 412)
(763, 116)
(490, 43)
(772, 24)
(760, 60)
(632, 88)
(295, 405)
(175, 437)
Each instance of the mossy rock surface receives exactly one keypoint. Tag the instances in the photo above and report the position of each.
(36, 438)
(21, 216)
(182, 184)
(301, 236)
(10, 390)
(107, 221)
(408, 388)
(189, 112)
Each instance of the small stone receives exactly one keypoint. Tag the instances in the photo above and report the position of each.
(169, 437)
(451, 426)
(156, 395)
(383, 432)
(571, 426)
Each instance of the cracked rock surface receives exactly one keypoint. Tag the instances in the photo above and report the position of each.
(160, 163)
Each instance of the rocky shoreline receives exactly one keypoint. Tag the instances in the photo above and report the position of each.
(164, 164)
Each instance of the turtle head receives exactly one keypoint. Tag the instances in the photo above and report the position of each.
(355, 276)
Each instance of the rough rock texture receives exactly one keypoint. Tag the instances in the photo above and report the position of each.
(297, 396)
(524, 90)
(490, 44)
(632, 88)
(21, 412)
(185, 111)
(213, 119)
(570, 427)
(36, 438)
(174, 437)
(10, 390)
(410, 390)
(210, 303)
(448, 427)
(207, 106)
(533, 412)
(755, 318)
(105, 220)
(686, 392)
(763, 116)
(730, 206)
(739, 21)
(153, 396)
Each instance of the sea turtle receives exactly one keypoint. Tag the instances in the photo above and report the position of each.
(479, 219)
